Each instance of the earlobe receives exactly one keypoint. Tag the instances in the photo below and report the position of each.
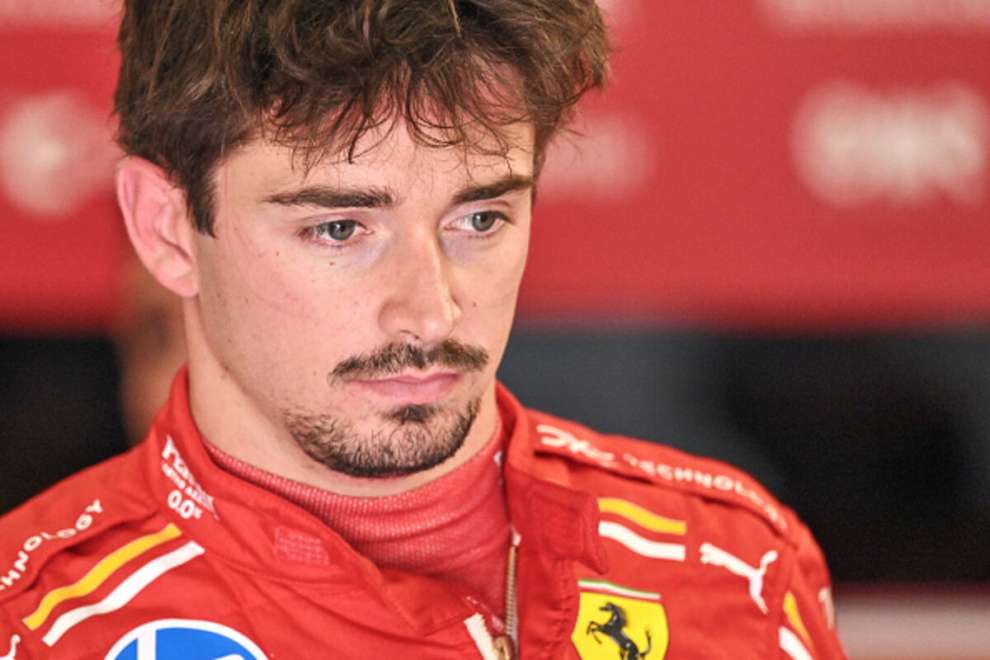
(156, 217)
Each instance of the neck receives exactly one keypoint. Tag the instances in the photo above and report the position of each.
(244, 428)
(455, 528)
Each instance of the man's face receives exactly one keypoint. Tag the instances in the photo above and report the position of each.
(364, 307)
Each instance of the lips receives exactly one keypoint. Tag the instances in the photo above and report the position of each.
(411, 388)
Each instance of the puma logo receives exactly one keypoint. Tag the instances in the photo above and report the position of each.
(719, 557)
(14, 641)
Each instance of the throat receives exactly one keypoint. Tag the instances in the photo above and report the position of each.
(455, 528)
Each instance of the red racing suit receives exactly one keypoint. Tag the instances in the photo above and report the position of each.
(625, 550)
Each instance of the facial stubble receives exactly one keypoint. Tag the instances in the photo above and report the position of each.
(414, 438)
(410, 438)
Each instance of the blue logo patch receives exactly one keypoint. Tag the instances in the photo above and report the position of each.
(184, 639)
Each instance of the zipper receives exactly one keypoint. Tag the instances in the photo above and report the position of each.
(511, 618)
(506, 645)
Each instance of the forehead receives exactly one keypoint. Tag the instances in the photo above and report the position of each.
(390, 157)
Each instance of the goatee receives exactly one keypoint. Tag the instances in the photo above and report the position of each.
(412, 438)
(420, 438)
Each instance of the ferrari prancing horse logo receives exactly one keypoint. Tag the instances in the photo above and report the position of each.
(619, 623)
(614, 628)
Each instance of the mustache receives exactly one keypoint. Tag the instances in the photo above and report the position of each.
(395, 358)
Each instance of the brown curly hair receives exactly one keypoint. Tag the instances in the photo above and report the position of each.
(198, 78)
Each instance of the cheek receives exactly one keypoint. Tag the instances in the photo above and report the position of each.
(493, 294)
(273, 282)
(506, 276)
(267, 302)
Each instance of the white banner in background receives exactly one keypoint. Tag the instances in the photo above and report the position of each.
(861, 15)
(853, 145)
(55, 151)
(609, 157)
(619, 13)
(37, 13)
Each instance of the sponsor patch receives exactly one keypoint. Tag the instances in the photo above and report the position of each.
(710, 480)
(711, 554)
(19, 568)
(184, 639)
(188, 498)
(617, 622)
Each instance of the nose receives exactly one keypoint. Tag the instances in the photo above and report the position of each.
(421, 305)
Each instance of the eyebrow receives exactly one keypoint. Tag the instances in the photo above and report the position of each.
(331, 198)
(505, 185)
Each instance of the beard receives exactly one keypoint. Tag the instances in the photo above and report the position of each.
(410, 438)
(413, 438)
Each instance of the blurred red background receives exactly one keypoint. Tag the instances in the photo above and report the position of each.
(765, 164)
(773, 232)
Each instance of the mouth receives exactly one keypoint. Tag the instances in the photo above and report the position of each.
(411, 388)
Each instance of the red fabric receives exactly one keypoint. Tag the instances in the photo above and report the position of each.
(455, 528)
(251, 566)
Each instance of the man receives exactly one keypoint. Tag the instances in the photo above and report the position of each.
(340, 193)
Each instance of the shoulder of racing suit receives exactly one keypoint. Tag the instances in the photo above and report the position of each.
(627, 460)
(666, 512)
(619, 459)
(51, 540)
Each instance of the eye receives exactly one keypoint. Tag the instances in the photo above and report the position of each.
(482, 223)
(338, 230)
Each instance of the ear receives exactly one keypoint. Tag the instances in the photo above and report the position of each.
(158, 224)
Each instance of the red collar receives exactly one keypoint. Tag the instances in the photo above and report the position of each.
(261, 532)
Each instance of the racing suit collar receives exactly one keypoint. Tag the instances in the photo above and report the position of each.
(260, 532)
(543, 506)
